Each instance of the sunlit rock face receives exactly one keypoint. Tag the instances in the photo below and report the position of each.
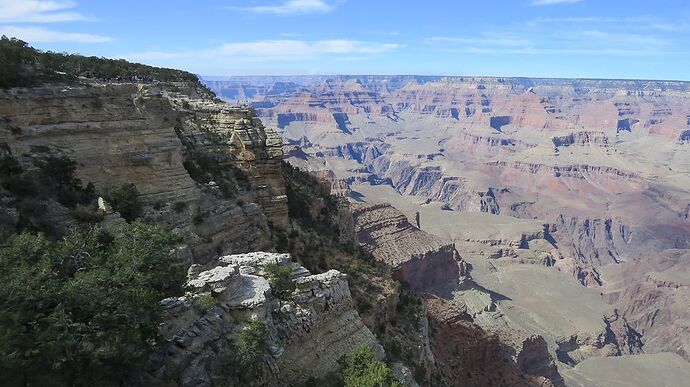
(421, 260)
(588, 178)
(307, 331)
(154, 137)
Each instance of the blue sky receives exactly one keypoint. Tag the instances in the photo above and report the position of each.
(547, 38)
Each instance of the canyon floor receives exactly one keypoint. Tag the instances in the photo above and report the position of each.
(568, 200)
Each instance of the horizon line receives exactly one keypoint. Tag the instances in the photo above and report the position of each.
(445, 76)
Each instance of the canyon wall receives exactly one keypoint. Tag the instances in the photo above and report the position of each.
(526, 177)
(156, 139)
(418, 259)
(214, 175)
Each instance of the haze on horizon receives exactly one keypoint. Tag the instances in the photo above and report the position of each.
(531, 38)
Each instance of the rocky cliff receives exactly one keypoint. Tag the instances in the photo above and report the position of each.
(655, 305)
(468, 334)
(160, 140)
(529, 179)
(214, 175)
(197, 341)
(417, 258)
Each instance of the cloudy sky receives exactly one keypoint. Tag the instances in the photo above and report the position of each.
(547, 38)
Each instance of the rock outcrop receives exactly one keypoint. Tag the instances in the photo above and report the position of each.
(473, 356)
(595, 171)
(581, 138)
(616, 339)
(307, 331)
(165, 143)
(421, 260)
(656, 306)
(589, 243)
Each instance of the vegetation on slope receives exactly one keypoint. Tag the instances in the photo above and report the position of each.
(247, 352)
(358, 369)
(317, 238)
(204, 166)
(79, 303)
(83, 310)
(282, 284)
(362, 370)
(22, 65)
(125, 200)
(39, 183)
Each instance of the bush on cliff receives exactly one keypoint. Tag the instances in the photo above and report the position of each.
(83, 310)
(363, 370)
(39, 181)
(247, 349)
(125, 199)
(280, 280)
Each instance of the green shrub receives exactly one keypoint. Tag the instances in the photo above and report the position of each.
(125, 199)
(280, 279)
(52, 179)
(204, 303)
(21, 185)
(15, 62)
(57, 177)
(246, 351)
(83, 310)
(361, 369)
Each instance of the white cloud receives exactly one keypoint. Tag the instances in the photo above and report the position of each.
(639, 22)
(588, 35)
(292, 7)
(553, 2)
(38, 11)
(564, 51)
(42, 35)
(20, 12)
(486, 39)
(267, 50)
(344, 46)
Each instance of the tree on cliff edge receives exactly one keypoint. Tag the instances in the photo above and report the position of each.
(84, 310)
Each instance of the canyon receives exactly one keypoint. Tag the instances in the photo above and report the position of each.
(564, 204)
(272, 253)
(462, 231)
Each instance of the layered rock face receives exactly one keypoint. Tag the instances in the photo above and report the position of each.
(460, 312)
(653, 106)
(474, 356)
(421, 260)
(656, 305)
(153, 137)
(213, 174)
(617, 339)
(320, 310)
(590, 243)
(583, 177)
